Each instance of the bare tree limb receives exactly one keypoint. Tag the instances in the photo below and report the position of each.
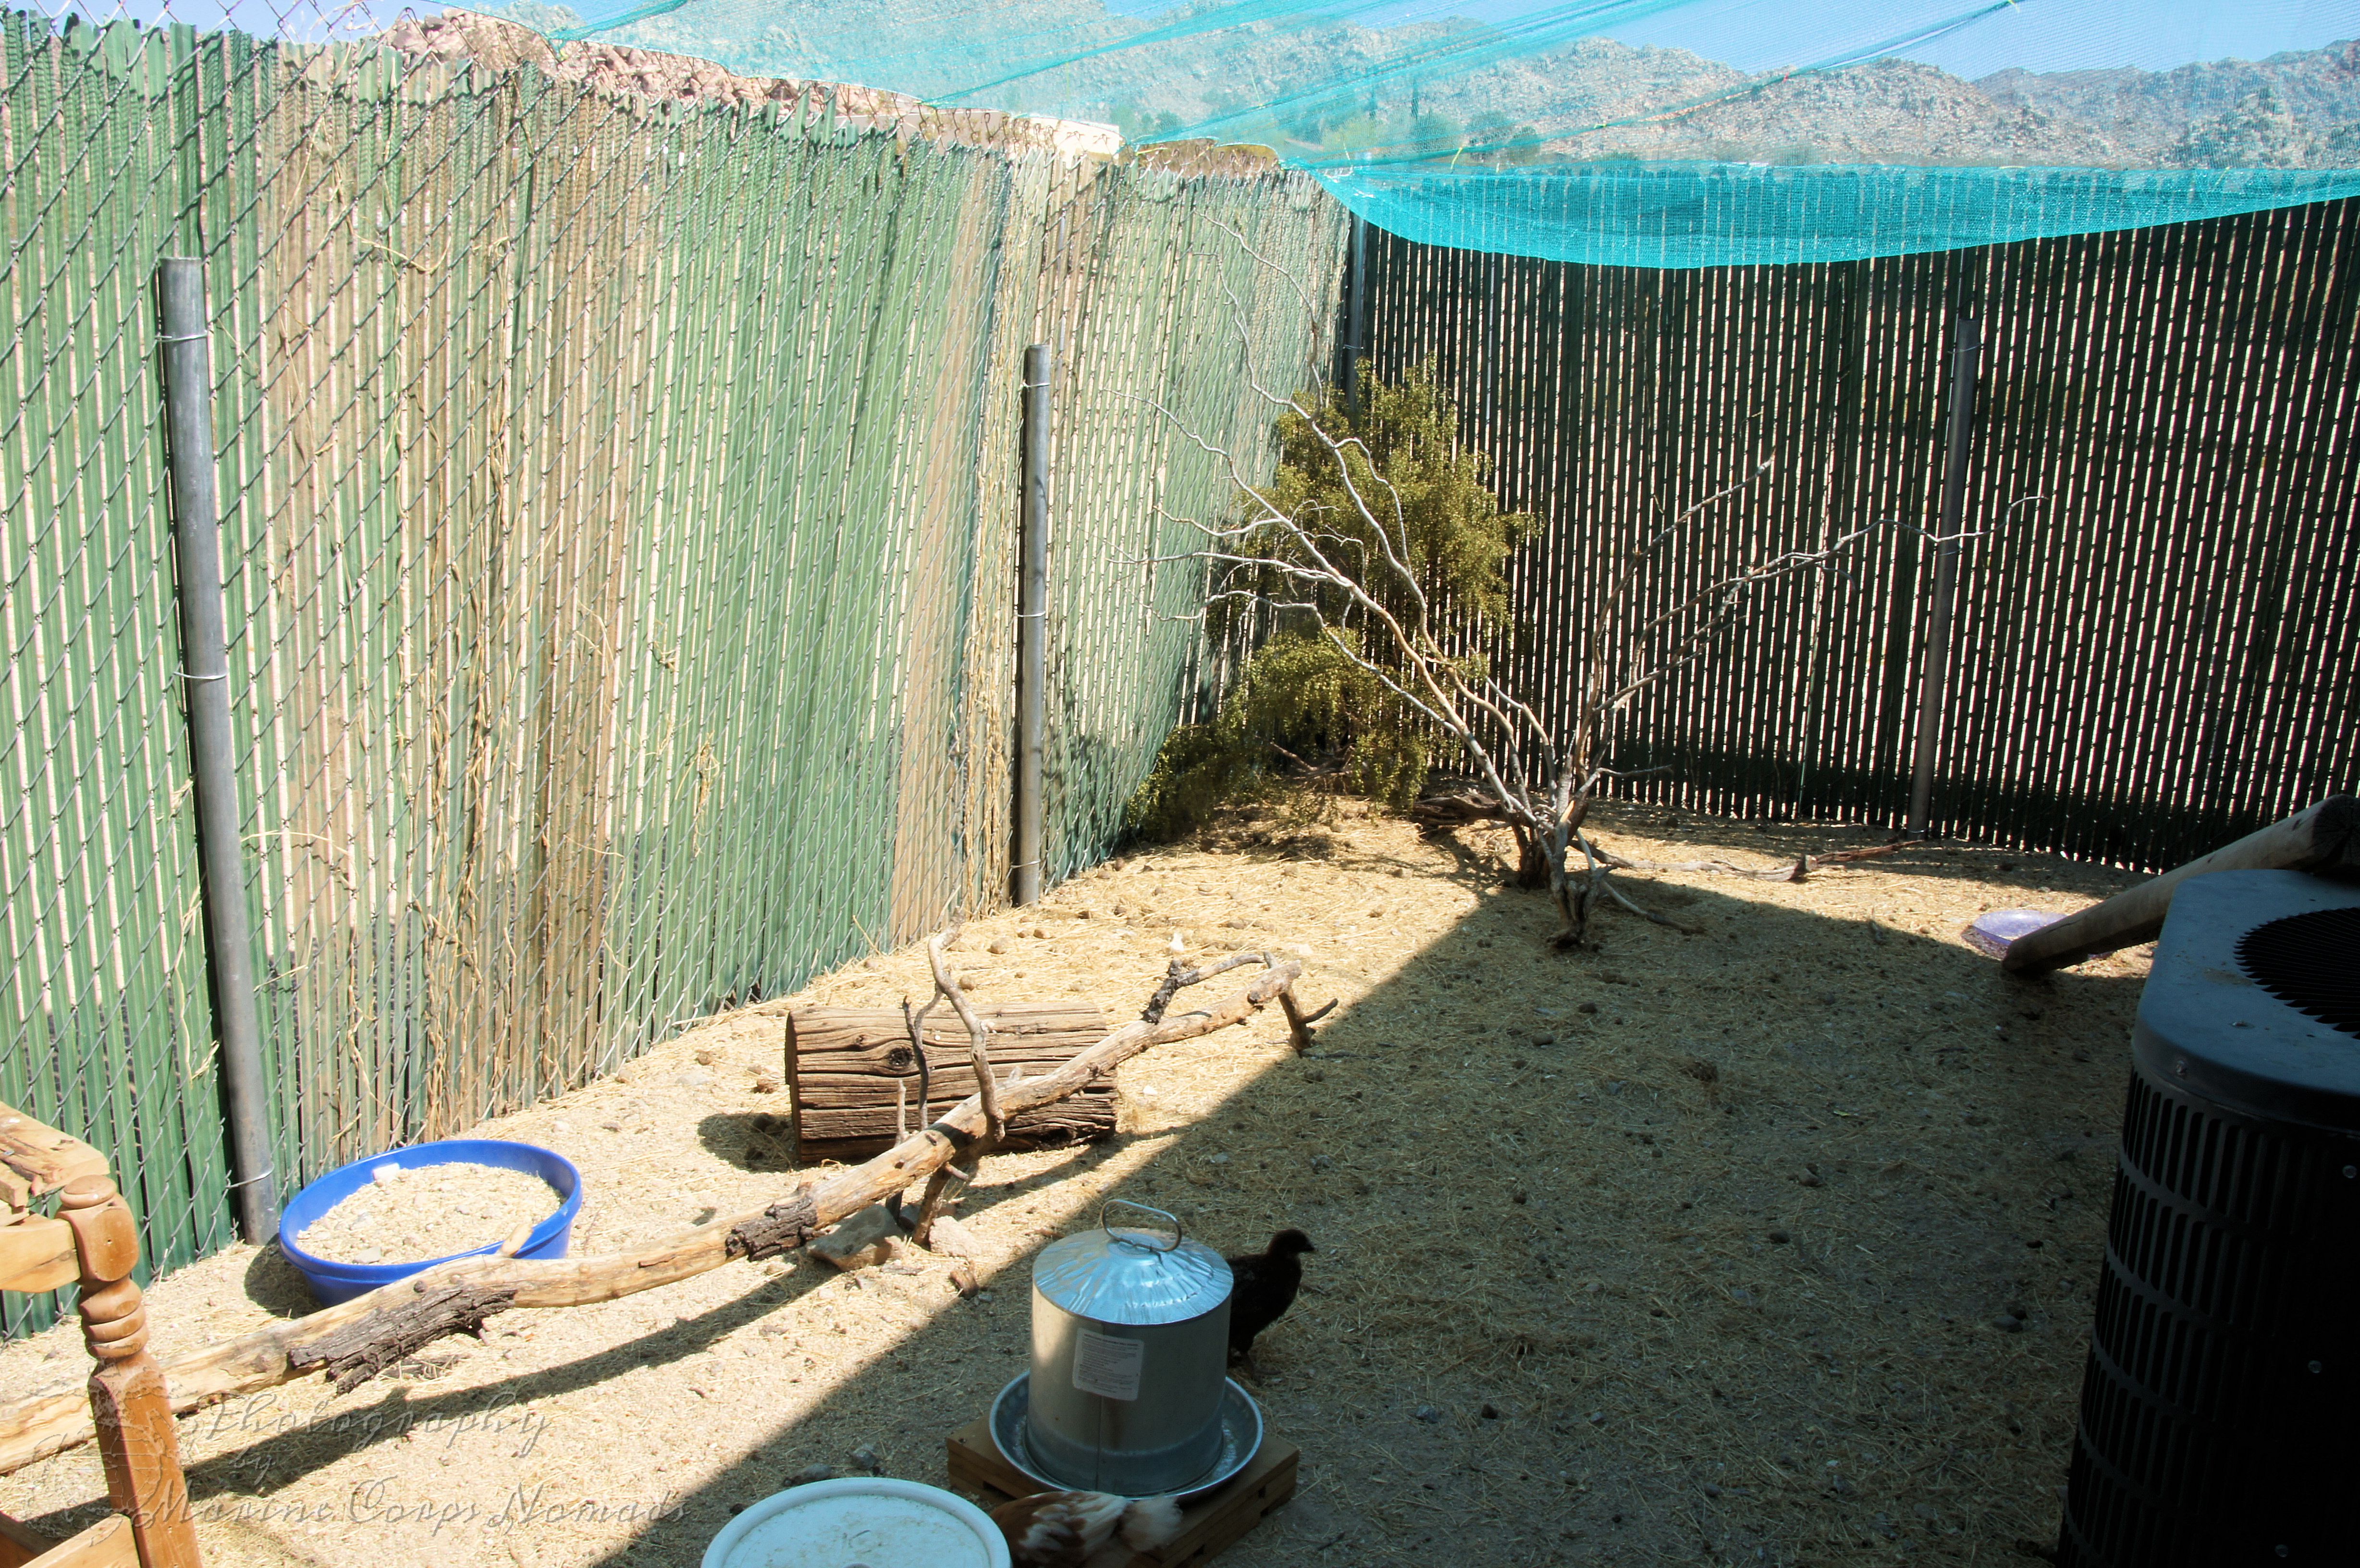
(978, 1035)
(1349, 565)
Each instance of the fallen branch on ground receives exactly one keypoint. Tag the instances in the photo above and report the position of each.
(1456, 808)
(346, 1337)
(1803, 866)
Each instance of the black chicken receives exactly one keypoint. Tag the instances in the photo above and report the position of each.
(1266, 1283)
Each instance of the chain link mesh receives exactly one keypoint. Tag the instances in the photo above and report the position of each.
(618, 510)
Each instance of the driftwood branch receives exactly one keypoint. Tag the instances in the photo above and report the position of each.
(1799, 870)
(1298, 1022)
(1666, 922)
(943, 1190)
(360, 1351)
(2326, 837)
(778, 1229)
(58, 1418)
(914, 1021)
(1176, 978)
(978, 1035)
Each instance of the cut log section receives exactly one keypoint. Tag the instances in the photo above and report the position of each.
(853, 1083)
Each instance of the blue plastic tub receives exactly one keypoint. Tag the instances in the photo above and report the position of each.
(334, 1282)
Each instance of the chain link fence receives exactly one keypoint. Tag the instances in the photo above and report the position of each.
(618, 522)
(2155, 647)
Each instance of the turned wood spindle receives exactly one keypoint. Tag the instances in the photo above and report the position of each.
(137, 1445)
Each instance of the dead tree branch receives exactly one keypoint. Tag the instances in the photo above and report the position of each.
(978, 1035)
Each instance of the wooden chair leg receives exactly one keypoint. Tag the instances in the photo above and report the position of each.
(137, 1442)
(107, 1544)
(18, 1545)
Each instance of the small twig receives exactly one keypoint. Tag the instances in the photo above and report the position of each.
(915, 1022)
(1298, 1022)
(978, 1038)
(943, 1190)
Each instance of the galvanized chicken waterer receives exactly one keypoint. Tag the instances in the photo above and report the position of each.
(1130, 1332)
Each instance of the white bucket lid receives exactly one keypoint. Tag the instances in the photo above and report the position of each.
(860, 1522)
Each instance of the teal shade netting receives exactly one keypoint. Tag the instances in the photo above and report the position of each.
(1655, 133)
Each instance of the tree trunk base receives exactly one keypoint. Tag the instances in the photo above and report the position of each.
(1532, 873)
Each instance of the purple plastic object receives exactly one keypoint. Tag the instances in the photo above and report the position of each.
(1989, 934)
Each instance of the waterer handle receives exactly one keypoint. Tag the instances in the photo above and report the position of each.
(1146, 1209)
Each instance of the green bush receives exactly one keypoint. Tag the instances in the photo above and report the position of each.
(1308, 706)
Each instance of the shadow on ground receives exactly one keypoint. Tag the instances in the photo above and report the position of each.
(1696, 1248)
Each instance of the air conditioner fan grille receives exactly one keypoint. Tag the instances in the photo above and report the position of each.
(2310, 962)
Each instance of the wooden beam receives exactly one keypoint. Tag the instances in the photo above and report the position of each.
(36, 1157)
(56, 1420)
(37, 1255)
(107, 1544)
(2325, 837)
(19, 1545)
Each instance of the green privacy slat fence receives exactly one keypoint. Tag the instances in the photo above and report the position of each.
(619, 502)
(2159, 655)
(104, 1020)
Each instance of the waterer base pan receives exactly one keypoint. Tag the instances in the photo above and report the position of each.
(1241, 1437)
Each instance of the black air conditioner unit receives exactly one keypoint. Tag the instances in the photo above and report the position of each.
(2221, 1408)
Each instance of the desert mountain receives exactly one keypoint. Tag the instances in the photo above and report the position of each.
(1320, 89)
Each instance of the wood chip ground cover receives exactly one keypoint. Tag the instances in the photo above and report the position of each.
(1693, 1249)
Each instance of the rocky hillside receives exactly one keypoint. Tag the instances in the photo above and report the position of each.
(2300, 110)
(457, 37)
(1303, 86)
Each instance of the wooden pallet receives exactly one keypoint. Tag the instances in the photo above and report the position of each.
(1207, 1526)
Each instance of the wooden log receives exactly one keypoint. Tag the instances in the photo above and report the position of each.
(19, 1545)
(55, 1420)
(851, 1075)
(2326, 837)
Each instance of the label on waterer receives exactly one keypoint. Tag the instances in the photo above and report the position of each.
(1107, 1366)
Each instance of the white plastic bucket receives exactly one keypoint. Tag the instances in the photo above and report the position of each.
(860, 1522)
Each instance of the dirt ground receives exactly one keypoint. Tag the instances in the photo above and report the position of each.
(1692, 1250)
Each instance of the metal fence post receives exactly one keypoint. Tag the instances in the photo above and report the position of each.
(1934, 692)
(1356, 314)
(196, 552)
(1031, 628)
